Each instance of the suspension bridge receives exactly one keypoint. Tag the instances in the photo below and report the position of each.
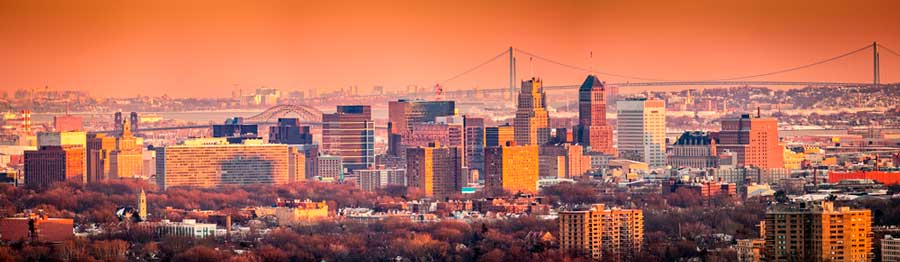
(311, 116)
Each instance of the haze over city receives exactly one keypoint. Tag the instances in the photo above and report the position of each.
(449, 131)
(210, 48)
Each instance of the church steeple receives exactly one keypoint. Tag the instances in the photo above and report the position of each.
(142, 206)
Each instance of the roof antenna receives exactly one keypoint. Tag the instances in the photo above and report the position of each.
(531, 65)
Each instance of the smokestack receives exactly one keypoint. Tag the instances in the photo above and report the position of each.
(758, 113)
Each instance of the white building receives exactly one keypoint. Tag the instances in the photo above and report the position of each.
(642, 131)
(890, 249)
(187, 228)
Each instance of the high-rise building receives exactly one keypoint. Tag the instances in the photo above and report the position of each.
(753, 139)
(890, 249)
(562, 161)
(608, 234)
(71, 138)
(817, 232)
(214, 162)
(52, 164)
(694, 149)
(403, 114)
(474, 136)
(642, 131)
(329, 168)
(99, 146)
(435, 169)
(126, 160)
(374, 179)
(593, 130)
(447, 130)
(499, 135)
(289, 131)
(532, 122)
(235, 130)
(511, 168)
(350, 134)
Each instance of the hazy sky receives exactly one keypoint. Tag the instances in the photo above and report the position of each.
(207, 48)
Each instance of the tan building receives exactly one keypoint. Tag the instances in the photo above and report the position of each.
(612, 234)
(562, 161)
(512, 168)
(114, 157)
(817, 232)
(436, 170)
(295, 212)
(532, 122)
(212, 163)
(642, 131)
(890, 249)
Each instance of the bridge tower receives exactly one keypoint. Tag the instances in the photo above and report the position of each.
(875, 65)
(512, 76)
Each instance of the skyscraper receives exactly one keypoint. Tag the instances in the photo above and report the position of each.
(753, 139)
(52, 164)
(126, 160)
(435, 169)
(499, 135)
(350, 134)
(511, 168)
(562, 161)
(592, 130)
(289, 131)
(642, 131)
(403, 114)
(474, 131)
(532, 123)
(817, 232)
(99, 147)
(611, 234)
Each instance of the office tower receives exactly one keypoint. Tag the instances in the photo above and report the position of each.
(67, 123)
(52, 164)
(350, 134)
(511, 168)
(142, 206)
(374, 179)
(99, 147)
(593, 130)
(474, 137)
(445, 130)
(753, 139)
(532, 123)
(694, 149)
(810, 231)
(297, 167)
(329, 168)
(890, 249)
(126, 160)
(499, 135)
(436, 170)
(235, 130)
(608, 234)
(403, 114)
(562, 161)
(311, 154)
(289, 131)
(642, 131)
(210, 163)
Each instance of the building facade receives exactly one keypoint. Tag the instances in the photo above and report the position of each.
(562, 161)
(435, 170)
(213, 165)
(402, 114)
(289, 131)
(642, 131)
(817, 232)
(350, 134)
(753, 139)
(593, 130)
(374, 179)
(512, 168)
(499, 135)
(532, 122)
(53, 164)
(608, 234)
(694, 150)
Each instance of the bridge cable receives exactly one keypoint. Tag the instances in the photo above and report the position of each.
(888, 49)
(505, 52)
(796, 67)
(586, 69)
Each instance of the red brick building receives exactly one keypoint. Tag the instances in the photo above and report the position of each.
(51, 164)
(36, 228)
(753, 139)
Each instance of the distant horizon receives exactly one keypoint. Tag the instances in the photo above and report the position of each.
(210, 48)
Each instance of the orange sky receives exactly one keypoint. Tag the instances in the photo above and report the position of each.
(205, 48)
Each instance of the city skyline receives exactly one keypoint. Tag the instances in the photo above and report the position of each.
(211, 49)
